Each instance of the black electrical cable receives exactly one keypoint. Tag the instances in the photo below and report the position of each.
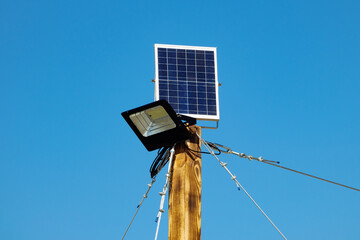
(160, 161)
(212, 145)
(164, 154)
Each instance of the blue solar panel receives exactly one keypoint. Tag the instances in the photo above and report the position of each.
(187, 78)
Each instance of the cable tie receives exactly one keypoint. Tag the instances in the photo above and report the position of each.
(162, 193)
(233, 177)
(223, 164)
(243, 155)
(149, 185)
(161, 210)
(250, 157)
(145, 196)
(167, 175)
(261, 159)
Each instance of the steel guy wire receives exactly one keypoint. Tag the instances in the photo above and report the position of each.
(260, 159)
(163, 193)
(138, 206)
(233, 177)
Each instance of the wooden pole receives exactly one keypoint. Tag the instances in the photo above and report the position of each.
(185, 190)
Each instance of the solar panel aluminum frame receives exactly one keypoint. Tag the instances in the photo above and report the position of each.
(157, 94)
(165, 138)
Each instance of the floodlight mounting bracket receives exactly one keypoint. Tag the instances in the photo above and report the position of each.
(189, 120)
(210, 127)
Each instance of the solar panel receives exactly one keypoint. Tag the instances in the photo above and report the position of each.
(186, 77)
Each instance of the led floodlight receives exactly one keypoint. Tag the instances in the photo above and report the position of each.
(156, 125)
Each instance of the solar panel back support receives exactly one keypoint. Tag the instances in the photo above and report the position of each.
(186, 77)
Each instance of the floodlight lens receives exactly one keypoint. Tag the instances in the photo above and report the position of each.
(152, 121)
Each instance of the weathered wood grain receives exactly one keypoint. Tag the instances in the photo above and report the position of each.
(185, 190)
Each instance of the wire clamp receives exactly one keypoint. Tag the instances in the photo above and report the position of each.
(223, 164)
(233, 177)
(172, 149)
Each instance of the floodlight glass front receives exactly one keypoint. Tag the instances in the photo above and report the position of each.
(152, 121)
(156, 125)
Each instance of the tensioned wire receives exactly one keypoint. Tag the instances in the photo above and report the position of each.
(322, 179)
(163, 158)
(163, 193)
(138, 207)
(165, 155)
(233, 177)
(228, 150)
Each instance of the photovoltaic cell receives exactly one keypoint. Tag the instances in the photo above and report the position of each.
(187, 78)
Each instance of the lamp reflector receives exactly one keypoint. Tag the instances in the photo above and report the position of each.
(152, 121)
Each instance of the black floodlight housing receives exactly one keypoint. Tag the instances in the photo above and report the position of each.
(157, 125)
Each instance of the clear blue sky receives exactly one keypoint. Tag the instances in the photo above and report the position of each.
(71, 168)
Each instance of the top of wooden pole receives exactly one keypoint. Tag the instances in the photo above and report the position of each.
(185, 190)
